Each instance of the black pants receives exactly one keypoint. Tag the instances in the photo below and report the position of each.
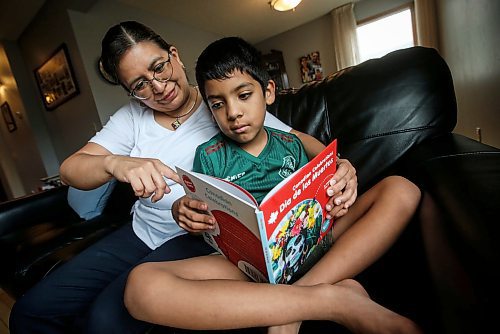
(86, 294)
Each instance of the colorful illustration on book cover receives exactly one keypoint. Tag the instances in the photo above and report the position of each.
(295, 238)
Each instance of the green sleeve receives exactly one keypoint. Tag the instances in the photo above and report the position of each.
(202, 164)
(301, 152)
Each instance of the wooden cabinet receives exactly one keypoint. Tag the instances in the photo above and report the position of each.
(275, 66)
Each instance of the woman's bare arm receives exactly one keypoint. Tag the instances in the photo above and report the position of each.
(93, 165)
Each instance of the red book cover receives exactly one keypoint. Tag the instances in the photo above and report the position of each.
(270, 242)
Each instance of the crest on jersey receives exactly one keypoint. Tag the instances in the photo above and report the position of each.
(288, 167)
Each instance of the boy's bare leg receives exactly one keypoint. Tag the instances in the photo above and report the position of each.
(367, 231)
(370, 227)
(185, 294)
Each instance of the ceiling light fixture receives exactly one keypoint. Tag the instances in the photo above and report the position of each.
(284, 5)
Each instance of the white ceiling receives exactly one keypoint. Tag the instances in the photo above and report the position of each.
(250, 19)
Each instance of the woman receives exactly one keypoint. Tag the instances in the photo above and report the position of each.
(161, 126)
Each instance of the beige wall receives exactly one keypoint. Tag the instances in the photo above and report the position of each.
(470, 40)
(313, 36)
(72, 122)
(21, 165)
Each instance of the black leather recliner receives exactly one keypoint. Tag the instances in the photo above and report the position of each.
(392, 115)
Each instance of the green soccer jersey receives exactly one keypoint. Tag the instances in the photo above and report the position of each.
(222, 157)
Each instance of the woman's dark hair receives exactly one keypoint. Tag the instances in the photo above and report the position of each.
(223, 57)
(118, 40)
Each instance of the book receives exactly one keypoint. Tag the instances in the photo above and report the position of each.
(284, 235)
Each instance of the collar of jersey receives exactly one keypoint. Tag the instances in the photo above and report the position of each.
(249, 156)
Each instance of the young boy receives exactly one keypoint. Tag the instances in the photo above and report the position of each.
(245, 151)
(214, 291)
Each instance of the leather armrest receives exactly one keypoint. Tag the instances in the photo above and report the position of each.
(39, 232)
(442, 146)
(460, 179)
(48, 206)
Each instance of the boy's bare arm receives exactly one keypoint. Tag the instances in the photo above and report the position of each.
(312, 146)
(192, 215)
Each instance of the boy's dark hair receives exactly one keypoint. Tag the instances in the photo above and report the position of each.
(223, 57)
(118, 40)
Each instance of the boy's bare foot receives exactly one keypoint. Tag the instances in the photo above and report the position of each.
(358, 313)
(352, 308)
(294, 328)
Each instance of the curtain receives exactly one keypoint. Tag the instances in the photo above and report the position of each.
(426, 20)
(345, 42)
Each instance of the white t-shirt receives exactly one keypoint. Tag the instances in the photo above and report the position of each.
(132, 131)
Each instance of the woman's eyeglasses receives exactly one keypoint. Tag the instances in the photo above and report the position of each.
(162, 72)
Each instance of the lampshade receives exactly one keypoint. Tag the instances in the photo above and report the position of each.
(284, 5)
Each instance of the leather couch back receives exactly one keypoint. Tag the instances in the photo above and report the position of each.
(378, 110)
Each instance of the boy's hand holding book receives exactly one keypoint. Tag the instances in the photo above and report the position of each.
(343, 189)
(192, 215)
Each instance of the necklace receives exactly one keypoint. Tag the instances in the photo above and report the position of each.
(175, 124)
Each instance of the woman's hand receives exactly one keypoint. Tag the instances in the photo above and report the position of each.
(146, 176)
(192, 215)
(343, 189)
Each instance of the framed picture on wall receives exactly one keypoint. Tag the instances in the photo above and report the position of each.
(9, 119)
(56, 79)
(310, 67)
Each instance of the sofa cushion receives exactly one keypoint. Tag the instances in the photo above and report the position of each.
(90, 203)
